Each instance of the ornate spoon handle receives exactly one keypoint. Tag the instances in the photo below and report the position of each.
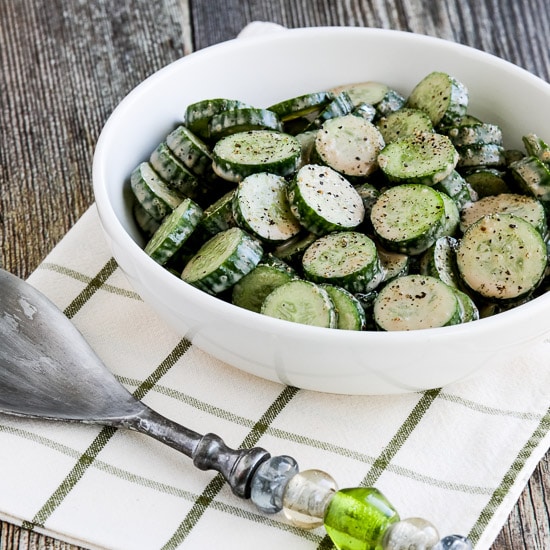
(209, 452)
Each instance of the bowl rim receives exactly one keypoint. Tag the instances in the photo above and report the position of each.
(113, 225)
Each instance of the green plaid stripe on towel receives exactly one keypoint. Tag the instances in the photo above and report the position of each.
(458, 456)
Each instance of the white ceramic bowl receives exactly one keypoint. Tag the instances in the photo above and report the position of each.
(268, 69)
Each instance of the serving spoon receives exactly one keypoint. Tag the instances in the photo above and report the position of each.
(48, 370)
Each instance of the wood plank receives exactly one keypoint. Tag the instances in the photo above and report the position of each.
(63, 72)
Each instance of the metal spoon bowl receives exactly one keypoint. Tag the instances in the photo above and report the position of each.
(48, 370)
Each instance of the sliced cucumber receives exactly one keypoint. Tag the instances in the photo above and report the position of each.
(416, 302)
(392, 264)
(301, 106)
(219, 215)
(152, 192)
(147, 225)
(307, 143)
(341, 105)
(469, 309)
(244, 153)
(420, 158)
(485, 154)
(366, 111)
(323, 200)
(198, 115)
(175, 229)
(261, 207)
(173, 171)
(526, 207)
(440, 261)
(456, 187)
(301, 302)
(369, 195)
(452, 217)
(223, 260)
(291, 251)
(391, 102)
(537, 147)
(190, 150)
(502, 257)
(487, 181)
(350, 313)
(442, 97)
(242, 120)
(350, 145)
(251, 291)
(475, 134)
(533, 177)
(348, 259)
(408, 218)
(404, 122)
(364, 92)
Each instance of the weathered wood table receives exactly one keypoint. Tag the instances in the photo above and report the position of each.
(65, 64)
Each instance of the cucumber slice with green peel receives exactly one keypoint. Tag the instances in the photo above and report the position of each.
(364, 92)
(251, 291)
(475, 134)
(469, 309)
(350, 313)
(466, 120)
(301, 106)
(261, 207)
(456, 187)
(527, 207)
(197, 115)
(350, 145)
(190, 150)
(441, 96)
(415, 302)
(175, 229)
(501, 257)
(301, 302)
(408, 218)
(487, 181)
(245, 153)
(392, 264)
(173, 171)
(419, 158)
(366, 111)
(533, 178)
(404, 122)
(347, 258)
(147, 225)
(223, 260)
(439, 261)
(536, 147)
(488, 155)
(291, 251)
(242, 120)
(391, 102)
(323, 200)
(307, 144)
(341, 105)
(219, 215)
(152, 192)
(452, 217)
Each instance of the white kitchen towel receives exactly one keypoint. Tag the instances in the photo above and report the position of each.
(458, 456)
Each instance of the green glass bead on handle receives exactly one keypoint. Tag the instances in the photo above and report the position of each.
(357, 518)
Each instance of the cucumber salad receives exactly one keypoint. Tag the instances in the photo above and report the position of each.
(353, 208)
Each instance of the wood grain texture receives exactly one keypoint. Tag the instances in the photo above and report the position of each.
(65, 64)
